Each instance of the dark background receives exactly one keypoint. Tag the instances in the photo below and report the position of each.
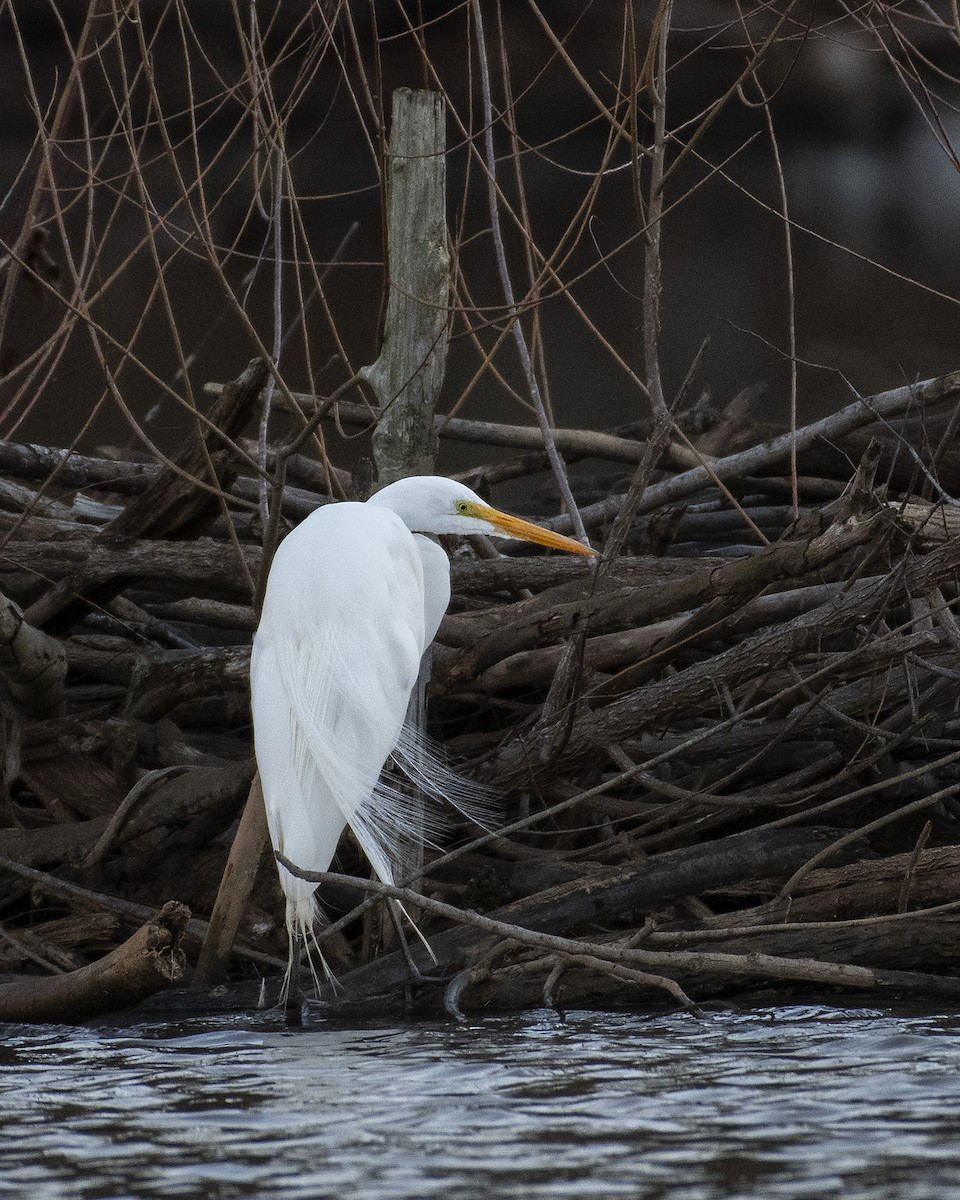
(865, 150)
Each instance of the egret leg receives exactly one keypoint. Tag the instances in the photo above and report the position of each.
(293, 998)
(416, 975)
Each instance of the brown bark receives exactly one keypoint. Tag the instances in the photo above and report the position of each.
(176, 814)
(149, 960)
(610, 893)
(694, 690)
(858, 890)
(204, 566)
(173, 505)
(179, 502)
(541, 621)
(717, 693)
(33, 664)
(236, 885)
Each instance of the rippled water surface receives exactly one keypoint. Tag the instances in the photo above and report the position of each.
(788, 1102)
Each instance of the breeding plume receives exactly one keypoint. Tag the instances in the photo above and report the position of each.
(355, 595)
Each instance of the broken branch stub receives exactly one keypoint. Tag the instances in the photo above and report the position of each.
(33, 663)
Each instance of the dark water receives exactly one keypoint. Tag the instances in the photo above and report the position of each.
(791, 1102)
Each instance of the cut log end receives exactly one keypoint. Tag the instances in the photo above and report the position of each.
(147, 961)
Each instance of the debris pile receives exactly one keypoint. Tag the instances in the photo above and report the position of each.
(728, 755)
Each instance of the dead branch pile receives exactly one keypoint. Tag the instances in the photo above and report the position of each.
(727, 757)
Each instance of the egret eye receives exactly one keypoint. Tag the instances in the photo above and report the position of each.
(463, 507)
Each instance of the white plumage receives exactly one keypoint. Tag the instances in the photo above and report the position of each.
(355, 595)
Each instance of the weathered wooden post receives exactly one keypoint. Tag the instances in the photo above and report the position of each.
(408, 374)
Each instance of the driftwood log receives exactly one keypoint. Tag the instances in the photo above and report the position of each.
(730, 757)
(147, 961)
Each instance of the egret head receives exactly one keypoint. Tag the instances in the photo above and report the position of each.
(432, 504)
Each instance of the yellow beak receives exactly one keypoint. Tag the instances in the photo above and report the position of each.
(528, 532)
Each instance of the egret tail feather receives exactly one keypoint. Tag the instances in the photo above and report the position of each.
(425, 764)
(302, 917)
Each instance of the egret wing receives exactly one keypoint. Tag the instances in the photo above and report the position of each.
(336, 658)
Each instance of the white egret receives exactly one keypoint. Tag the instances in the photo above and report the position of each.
(355, 595)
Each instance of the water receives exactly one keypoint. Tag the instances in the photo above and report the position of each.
(799, 1101)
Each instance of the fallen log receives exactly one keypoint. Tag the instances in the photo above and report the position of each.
(919, 941)
(543, 619)
(147, 961)
(188, 491)
(633, 961)
(773, 452)
(180, 501)
(602, 895)
(695, 689)
(897, 883)
(550, 980)
(188, 565)
(163, 815)
(87, 901)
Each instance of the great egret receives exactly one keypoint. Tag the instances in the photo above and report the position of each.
(355, 595)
